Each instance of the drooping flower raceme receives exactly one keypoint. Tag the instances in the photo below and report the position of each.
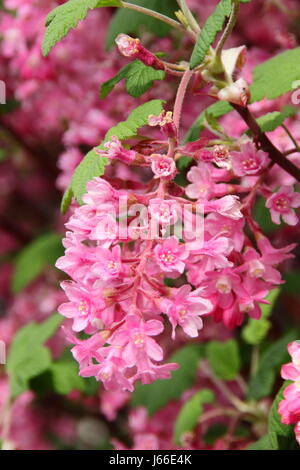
(118, 261)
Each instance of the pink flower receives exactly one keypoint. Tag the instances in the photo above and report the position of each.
(130, 47)
(77, 259)
(217, 224)
(297, 432)
(114, 149)
(169, 255)
(111, 373)
(271, 255)
(249, 161)
(85, 350)
(135, 339)
(202, 184)
(289, 407)
(165, 121)
(212, 254)
(82, 307)
(282, 203)
(163, 166)
(109, 264)
(259, 267)
(164, 211)
(228, 206)
(185, 309)
(291, 371)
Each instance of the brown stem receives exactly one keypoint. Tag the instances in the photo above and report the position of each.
(275, 155)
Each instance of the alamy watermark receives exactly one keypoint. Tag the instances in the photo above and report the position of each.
(2, 352)
(160, 220)
(2, 92)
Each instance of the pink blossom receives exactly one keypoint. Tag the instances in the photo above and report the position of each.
(202, 184)
(82, 305)
(282, 203)
(249, 161)
(164, 211)
(163, 166)
(169, 255)
(130, 47)
(108, 263)
(228, 206)
(185, 309)
(113, 149)
(135, 338)
(289, 407)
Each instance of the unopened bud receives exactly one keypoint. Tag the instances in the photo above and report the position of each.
(237, 93)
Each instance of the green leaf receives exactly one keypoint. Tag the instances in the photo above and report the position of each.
(47, 329)
(159, 393)
(261, 384)
(67, 16)
(109, 85)
(275, 77)
(224, 358)
(264, 443)
(215, 110)
(256, 330)
(280, 434)
(274, 424)
(131, 22)
(213, 25)
(66, 200)
(27, 357)
(138, 79)
(93, 165)
(269, 122)
(65, 378)
(190, 413)
(34, 258)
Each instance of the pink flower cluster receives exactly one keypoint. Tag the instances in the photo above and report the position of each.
(118, 262)
(289, 407)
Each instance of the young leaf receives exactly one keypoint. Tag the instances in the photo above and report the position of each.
(190, 413)
(256, 330)
(34, 258)
(275, 77)
(160, 392)
(224, 358)
(216, 110)
(213, 25)
(66, 200)
(93, 165)
(262, 382)
(67, 16)
(27, 357)
(130, 22)
(138, 79)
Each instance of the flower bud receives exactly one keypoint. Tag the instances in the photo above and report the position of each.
(237, 93)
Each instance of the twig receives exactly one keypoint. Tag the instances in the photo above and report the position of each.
(275, 155)
(161, 17)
